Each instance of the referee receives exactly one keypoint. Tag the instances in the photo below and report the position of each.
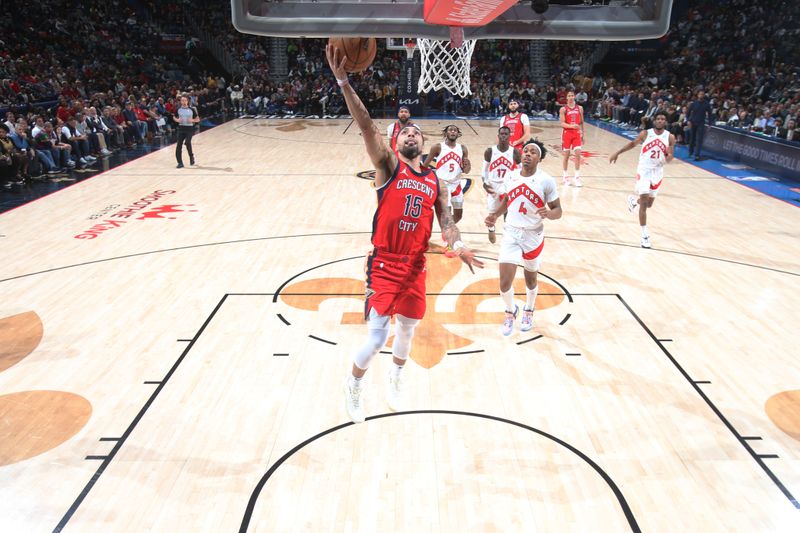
(186, 117)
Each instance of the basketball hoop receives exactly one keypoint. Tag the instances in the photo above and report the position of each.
(445, 64)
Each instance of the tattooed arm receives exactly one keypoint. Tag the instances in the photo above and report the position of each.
(451, 233)
(379, 153)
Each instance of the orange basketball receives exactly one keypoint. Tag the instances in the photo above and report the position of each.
(359, 51)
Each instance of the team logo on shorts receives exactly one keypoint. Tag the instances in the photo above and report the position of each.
(442, 330)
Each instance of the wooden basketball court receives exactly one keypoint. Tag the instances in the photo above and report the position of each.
(173, 345)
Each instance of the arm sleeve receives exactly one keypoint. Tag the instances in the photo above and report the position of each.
(523, 118)
(485, 171)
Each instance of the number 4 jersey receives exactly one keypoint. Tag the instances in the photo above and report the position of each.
(403, 220)
(527, 194)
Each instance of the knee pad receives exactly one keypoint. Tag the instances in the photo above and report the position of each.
(403, 333)
(377, 334)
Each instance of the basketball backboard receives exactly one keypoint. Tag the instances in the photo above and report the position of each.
(604, 20)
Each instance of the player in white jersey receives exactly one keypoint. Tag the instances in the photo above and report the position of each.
(657, 150)
(498, 162)
(451, 160)
(531, 197)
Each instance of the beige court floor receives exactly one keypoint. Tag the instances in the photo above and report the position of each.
(173, 345)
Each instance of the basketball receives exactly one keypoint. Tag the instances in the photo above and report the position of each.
(359, 51)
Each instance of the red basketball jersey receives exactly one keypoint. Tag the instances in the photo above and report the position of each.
(572, 115)
(515, 125)
(403, 220)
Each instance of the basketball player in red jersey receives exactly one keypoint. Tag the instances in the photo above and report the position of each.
(571, 117)
(408, 196)
(403, 120)
(518, 123)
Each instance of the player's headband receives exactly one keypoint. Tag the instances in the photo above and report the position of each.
(535, 146)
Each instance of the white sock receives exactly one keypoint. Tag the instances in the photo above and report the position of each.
(577, 173)
(491, 229)
(644, 231)
(395, 369)
(508, 298)
(530, 301)
(354, 381)
(566, 174)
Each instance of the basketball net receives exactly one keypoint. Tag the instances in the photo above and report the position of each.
(445, 64)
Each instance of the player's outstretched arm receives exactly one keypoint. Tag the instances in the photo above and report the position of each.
(379, 153)
(638, 140)
(436, 149)
(451, 233)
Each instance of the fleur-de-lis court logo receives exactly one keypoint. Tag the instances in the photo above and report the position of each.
(434, 336)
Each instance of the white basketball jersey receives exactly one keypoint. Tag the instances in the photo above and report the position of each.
(448, 164)
(526, 195)
(654, 149)
(500, 165)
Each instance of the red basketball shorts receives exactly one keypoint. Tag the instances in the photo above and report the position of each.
(395, 284)
(571, 140)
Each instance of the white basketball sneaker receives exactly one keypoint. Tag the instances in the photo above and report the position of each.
(578, 182)
(508, 323)
(526, 324)
(352, 401)
(393, 386)
(566, 180)
(646, 242)
(632, 203)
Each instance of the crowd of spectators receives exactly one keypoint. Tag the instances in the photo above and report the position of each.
(739, 53)
(91, 78)
(94, 79)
